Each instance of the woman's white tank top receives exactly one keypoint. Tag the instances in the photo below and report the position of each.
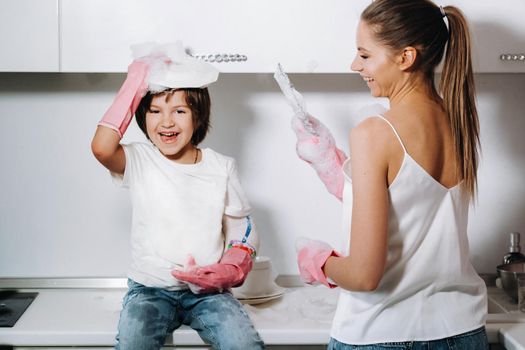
(429, 289)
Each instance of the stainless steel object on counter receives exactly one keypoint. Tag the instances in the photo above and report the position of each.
(508, 274)
(514, 255)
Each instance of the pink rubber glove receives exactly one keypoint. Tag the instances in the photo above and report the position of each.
(311, 257)
(230, 271)
(121, 111)
(321, 153)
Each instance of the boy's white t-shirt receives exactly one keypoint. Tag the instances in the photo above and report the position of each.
(177, 211)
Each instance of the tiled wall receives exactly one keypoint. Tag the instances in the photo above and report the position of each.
(60, 214)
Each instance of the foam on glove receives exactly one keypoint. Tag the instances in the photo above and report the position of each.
(321, 153)
(311, 258)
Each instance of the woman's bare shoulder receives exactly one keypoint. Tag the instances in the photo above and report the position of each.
(371, 128)
(373, 134)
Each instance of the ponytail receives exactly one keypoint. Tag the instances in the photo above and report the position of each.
(421, 24)
(458, 92)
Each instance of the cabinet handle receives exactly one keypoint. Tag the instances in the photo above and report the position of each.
(224, 57)
(512, 57)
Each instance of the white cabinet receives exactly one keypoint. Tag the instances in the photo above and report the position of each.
(304, 35)
(29, 36)
(498, 29)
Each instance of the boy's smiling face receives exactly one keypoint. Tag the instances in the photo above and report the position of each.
(169, 124)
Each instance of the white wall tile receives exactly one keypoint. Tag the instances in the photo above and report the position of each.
(60, 214)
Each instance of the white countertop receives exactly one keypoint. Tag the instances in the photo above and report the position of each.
(89, 317)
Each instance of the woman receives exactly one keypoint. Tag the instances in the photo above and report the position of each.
(407, 280)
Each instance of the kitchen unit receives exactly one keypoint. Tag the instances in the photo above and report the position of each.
(68, 36)
(239, 36)
(30, 36)
(301, 319)
(305, 36)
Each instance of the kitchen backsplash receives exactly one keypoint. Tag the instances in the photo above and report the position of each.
(60, 214)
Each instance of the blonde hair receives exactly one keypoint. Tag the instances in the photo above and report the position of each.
(419, 23)
(458, 91)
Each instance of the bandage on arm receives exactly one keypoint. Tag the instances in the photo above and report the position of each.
(320, 151)
(119, 114)
(240, 233)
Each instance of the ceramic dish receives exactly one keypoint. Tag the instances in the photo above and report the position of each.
(276, 293)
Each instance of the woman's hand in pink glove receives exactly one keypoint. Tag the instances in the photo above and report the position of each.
(320, 152)
(311, 258)
(313, 142)
(230, 271)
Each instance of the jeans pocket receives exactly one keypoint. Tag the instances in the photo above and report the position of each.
(476, 339)
(133, 290)
(392, 346)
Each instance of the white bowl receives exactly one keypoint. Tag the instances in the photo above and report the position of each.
(260, 280)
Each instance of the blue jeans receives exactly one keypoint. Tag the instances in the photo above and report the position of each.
(473, 340)
(149, 315)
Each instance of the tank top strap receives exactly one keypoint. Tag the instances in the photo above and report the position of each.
(395, 132)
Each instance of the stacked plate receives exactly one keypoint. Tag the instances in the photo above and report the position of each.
(259, 286)
(250, 299)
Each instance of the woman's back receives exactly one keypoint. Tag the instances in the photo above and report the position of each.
(429, 288)
(424, 129)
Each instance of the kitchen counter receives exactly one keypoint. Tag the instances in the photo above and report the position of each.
(89, 317)
(302, 316)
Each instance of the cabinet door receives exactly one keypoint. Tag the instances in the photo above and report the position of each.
(498, 29)
(29, 37)
(304, 35)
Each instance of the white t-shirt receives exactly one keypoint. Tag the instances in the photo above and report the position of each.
(177, 210)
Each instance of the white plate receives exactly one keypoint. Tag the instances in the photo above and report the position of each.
(259, 299)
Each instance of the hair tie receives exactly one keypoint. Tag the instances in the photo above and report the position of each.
(443, 14)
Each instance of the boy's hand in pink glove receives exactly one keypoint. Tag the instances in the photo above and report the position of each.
(121, 111)
(311, 257)
(230, 271)
(322, 154)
